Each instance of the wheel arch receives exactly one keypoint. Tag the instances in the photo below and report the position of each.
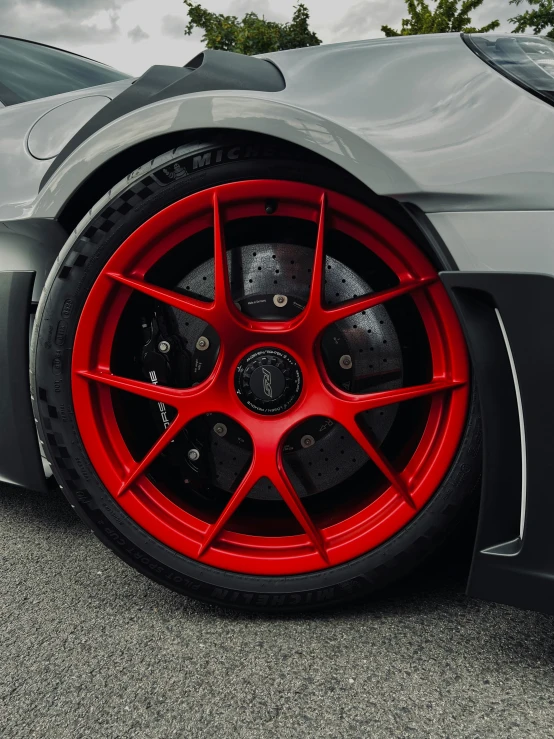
(125, 162)
(405, 215)
(112, 152)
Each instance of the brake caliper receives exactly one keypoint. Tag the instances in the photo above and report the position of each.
(164, 361)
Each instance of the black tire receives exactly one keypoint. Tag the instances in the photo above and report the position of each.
(68, 285)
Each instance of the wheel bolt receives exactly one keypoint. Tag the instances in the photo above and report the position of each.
(346, 361)
(220, 429)
(202, 344)
(307, 442)
(164, 347)
(280, 300)
(194, 455)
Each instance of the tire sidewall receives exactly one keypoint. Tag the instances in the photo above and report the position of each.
(90, 246)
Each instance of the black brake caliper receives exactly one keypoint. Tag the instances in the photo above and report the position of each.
(166, 360)
(164, 357)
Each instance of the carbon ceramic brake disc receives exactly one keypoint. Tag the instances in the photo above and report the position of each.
(372, 344)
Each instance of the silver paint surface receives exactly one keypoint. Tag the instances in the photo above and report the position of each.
(505, 241)
(21, 172)
(420, 119)
(56, 128)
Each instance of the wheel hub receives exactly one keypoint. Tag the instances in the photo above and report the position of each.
(268, 381)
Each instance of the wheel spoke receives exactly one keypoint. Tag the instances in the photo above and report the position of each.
(266, 465)
(222, 285)
(158, 393)
(194, 307)
(361, 403)
(379, 460)
(165, 439)
(180, 398)
(254, 473)
(357, 305)
(315, 301)
(286, 490)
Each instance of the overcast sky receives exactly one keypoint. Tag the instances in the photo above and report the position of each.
(132, 35)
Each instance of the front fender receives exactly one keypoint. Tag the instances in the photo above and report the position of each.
(245, 112)
(421, 119)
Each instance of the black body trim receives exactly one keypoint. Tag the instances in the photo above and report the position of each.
(518, 473)
(211, 70)
(20, 461)
(431, 242)
(31, 245)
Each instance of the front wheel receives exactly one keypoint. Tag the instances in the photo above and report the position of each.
(252, 386)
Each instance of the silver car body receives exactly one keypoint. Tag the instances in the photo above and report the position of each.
(420, 119)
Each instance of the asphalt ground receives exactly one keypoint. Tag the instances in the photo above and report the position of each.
(89, 648)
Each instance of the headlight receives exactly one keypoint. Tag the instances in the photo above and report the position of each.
(526, 60)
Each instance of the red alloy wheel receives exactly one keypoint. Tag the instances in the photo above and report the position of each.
(217, 542)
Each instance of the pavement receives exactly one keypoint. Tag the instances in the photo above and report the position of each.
(89, 648)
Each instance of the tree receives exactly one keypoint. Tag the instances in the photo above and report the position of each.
(252, 34)
(539, 19)
(446, 17)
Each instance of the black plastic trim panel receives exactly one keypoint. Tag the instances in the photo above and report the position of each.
(431, 242)
(31, 245)
(518, 471)
(20, 461)
(211, 70)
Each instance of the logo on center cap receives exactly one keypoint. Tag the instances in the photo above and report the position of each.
(268, 381)
(268, 390)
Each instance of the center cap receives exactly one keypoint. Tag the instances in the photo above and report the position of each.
(268, 381)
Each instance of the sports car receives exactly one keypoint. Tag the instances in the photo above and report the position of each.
(275, 324)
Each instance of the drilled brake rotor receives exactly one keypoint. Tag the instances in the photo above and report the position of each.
(320, 454)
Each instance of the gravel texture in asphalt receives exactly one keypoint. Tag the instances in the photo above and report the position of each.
(89, 648)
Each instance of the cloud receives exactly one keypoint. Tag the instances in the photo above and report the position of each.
(173, 26)
(366, 18)
(59, 21)
(79, 33)
(79, 9)
(499, 10)
(137, 34)
(263, 8)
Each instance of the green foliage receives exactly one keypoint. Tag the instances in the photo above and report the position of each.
(539, 18)
(252, 34)
(448, 16)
